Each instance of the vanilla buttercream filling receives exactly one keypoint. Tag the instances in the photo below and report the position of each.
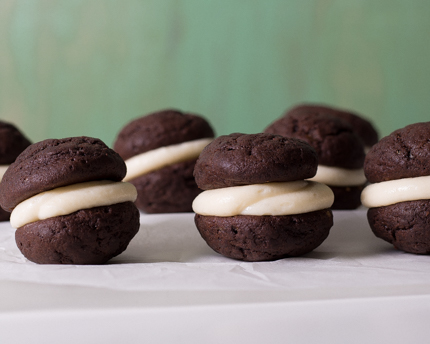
(68, 199)
(282, 198)
(3, 169)
(336, 176)
(164, 156)
(396, 191)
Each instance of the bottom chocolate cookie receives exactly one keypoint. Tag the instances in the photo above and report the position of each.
(406, 225)
(261, 238)
(90, 236)
(346, 197)
(171, 189)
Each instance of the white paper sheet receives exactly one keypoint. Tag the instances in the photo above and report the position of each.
(168, 268)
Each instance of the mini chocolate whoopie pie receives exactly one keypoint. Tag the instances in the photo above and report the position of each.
(256, 205)
(68, 202)
(398, 167)
(12, 143)
(340, 151)
(160, 150)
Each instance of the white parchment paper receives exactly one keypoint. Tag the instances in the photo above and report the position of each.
(168, 254)
(352, 282)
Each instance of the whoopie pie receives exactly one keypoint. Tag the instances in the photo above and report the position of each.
(257, 205)
(398, 167)
(160, 150)
(68, 202)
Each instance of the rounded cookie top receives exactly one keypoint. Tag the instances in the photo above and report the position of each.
(405, 153)
(12, 143)
(159, 129)
(333, 138)
(240, 159)
(362, 127)
(54, 163)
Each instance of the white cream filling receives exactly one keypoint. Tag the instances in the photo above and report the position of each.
(161, 157)
(396, 191)
(336, 176)
(285, 198)
(68, 199)
(3, 169)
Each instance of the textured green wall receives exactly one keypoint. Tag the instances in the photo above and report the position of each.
(86, 67)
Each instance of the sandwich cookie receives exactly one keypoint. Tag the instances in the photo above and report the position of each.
(69, 203)
(398, 167)
(160, 151)
(257, 205)
(340, 152)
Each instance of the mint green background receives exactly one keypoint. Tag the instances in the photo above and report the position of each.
(86, 67)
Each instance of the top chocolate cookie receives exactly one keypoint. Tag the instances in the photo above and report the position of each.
(333, 138)
(240, 159)
(362, 127)
(12, 143)
(54, 163)
(159, 129)
(405, 153)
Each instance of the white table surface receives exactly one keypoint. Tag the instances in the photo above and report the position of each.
(170, 287)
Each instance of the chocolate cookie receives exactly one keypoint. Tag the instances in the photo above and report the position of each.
(333, 139)
(12, 143)
(53, 163)
(160, 129)
(238, 159)
(362, 127)
(405, 153)
(336, 144)
(162, 187)
(170, 187)
(238, 162)
(90, 235)
(406, 225)
(401, 157)
(260, 238)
